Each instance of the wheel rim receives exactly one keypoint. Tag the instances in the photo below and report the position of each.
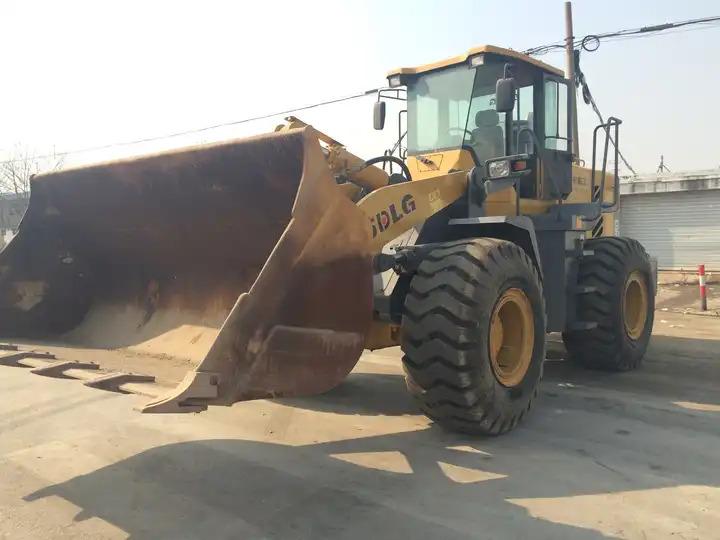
(635, 305)
(512, 336)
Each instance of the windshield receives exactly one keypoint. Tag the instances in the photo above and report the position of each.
(438, 106)
(455, 107)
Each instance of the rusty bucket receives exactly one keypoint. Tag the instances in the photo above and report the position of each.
(242, 258)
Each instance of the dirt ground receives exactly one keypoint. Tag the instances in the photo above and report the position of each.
(633, 456)
(686, 298)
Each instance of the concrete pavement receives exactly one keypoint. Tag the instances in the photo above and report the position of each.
(633, 455)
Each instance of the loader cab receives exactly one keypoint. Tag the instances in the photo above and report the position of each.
(454, 122)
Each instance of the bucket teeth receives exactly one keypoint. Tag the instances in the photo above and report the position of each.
(191, 395)
(58, 369)
(113, 381)
(13, 359)
(48, 366)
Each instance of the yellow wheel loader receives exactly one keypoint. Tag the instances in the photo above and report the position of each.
(263, 267)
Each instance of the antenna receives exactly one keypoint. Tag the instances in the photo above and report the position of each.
(662, 168)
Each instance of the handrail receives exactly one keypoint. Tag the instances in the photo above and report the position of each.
(612, 122)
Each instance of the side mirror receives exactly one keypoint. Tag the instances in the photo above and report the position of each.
(505, 95)
(379, 115)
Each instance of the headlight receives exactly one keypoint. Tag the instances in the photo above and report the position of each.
(394, 81)
(498, 169)
(477, 60)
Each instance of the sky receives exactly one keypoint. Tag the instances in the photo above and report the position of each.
(81, 74)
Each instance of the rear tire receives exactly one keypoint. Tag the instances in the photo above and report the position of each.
(622, 305)
(474, 335)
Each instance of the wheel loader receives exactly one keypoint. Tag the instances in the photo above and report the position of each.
(264, 267)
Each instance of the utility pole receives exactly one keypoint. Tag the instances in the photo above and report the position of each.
(570, 75)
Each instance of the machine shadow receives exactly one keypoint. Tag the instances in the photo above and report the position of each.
(426, 483)
(362, 393)
(676, 368)
(682, 369)
(243, 489)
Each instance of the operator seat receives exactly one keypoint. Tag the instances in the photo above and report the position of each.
(488, 136)
(525, 139)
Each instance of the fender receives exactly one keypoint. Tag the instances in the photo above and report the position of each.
(518, 229)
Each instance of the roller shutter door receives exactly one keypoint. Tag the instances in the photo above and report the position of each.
(681, 229)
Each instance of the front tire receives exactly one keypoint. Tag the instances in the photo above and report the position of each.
(474, 335)
(622, 304)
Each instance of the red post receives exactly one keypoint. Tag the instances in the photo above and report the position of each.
(703, 291)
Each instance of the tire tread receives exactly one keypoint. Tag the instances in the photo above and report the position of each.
(438, 340)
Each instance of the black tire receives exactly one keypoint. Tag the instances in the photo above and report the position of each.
(446, 335)
(609, 346)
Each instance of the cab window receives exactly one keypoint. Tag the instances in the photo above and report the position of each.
(556, 120)
(485, 130)
(523, 121)
(438, 109)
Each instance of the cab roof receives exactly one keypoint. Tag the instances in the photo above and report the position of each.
(509, 53)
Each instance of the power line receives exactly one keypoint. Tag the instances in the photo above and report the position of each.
(588, 98)
(197, 130)
(629, 33)
(589, 42)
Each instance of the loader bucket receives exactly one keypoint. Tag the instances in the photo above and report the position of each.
(243, 259)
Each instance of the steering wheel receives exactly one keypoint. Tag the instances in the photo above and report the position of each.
(388, 158)
(467, 134)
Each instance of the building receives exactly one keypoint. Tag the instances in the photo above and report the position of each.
(12, 209)
(675, 216)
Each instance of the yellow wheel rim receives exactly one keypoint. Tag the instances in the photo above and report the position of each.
(512, 336)
(635, 305)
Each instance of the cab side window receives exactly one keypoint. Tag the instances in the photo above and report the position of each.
(523, 121)
(556, 120)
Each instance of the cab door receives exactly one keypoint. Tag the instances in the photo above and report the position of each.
(555, 140)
